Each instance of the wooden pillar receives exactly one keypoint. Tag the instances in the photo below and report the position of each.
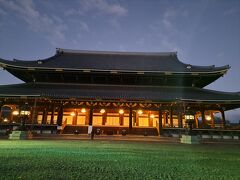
(19, 115)
(34, 113)
(87, 117)
(167, 114)
(164, 119)
(11, 117)
(150, 120)
(196, 121)
(104, 118)
(171, 117)
(213, 120)
(203, 118)
(121, 118)
(44, 116)
(15, 117)
(134, 118)
(1, 111)
(91, 116)
(160, 122)
(30, 116)
(223, 119)
(130, 118)
(137, 119)
(74, 121)
(180, 124)
(36, 116)
(52, 115)
(60, 116)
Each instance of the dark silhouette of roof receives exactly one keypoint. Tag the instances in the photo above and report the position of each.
(116, 92)
(114, 61)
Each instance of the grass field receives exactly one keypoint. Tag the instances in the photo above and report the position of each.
(48, 159)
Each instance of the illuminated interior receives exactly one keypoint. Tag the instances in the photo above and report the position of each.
(110, 117)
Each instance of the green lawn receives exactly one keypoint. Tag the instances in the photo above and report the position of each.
(39, 159)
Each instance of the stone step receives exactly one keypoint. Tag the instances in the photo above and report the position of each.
(20, 135)
(188, 139)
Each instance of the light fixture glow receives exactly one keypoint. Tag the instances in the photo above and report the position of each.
(83, 110)
(152, 116)
(72, 114)
(188, 117)
(121, 111)
(15, 113)
(102, 111)
(140, 112)
(208, 117)
(5, 120)
(26, 113)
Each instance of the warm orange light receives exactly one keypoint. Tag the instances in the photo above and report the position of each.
(152, 116)
(208, 117)
(15, 113)
(26, 113)
(72, 114)
(140, 112)
(102, 111)
(5, 120)
(83, 110)
(121, 111)
(188, 117)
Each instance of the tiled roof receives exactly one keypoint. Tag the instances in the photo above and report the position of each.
(115, 92)
(118, 61)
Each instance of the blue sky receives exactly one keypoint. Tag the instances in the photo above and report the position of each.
(202, 32)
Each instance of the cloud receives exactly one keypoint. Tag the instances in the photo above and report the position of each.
(115, 24)
(171, 16)
(84, 26)
(52, 26)
(97, 6)
(122, 48)
(2, 12)
(104, 6)
(230, 12)
(166, 33)
(220, 54)
(168, 17)
(141, 41)
(75, 11)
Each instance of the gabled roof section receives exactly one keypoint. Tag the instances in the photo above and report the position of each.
(146, 62)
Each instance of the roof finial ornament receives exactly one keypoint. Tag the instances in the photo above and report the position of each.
(59, 50)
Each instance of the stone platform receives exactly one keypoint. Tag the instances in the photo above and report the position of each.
(20, 135)
(190, 139)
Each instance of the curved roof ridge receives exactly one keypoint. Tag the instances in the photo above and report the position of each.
(223, 92)
(211, 67)
(73, 51)
(34, 60)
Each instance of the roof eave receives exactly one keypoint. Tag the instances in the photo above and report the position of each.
(10, 64)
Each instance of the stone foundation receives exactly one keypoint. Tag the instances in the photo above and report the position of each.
(20, 135)
(188, 139)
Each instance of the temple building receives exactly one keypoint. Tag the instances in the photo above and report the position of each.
(136, 92)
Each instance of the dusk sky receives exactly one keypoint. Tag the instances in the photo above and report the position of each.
(202, 32)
